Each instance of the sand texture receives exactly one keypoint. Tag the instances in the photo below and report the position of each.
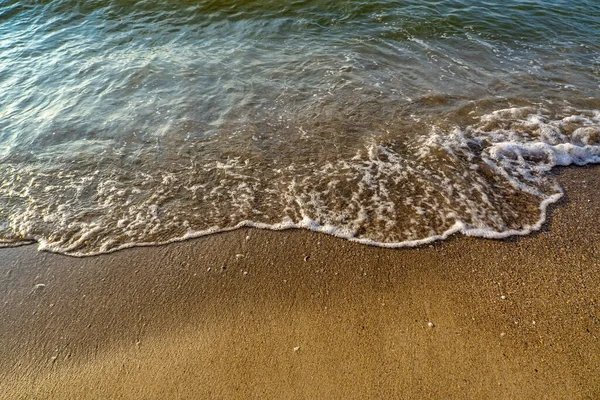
(299, 315)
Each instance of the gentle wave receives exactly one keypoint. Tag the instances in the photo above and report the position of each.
(488, 179)
(393, 123)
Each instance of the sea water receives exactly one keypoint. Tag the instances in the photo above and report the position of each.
(390, 123)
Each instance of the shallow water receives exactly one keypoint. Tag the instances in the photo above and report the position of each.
(387, 122)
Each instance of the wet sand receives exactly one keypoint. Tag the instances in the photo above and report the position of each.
(295, 314)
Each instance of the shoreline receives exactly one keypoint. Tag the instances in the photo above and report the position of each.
(296, 314)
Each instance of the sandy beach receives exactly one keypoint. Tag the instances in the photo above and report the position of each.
(299, 315)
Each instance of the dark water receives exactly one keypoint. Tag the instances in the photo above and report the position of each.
(387, 122)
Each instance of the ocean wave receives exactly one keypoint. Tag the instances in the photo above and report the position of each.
(488, 179)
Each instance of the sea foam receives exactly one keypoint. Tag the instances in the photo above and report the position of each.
(488, 179)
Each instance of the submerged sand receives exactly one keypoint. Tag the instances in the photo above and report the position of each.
(296, 314)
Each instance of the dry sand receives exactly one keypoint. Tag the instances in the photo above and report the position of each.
(286, 315)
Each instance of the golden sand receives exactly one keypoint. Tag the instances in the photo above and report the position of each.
(300, 315)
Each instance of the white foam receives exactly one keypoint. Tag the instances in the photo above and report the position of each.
(378, 197)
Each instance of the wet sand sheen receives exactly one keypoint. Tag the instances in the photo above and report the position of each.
(297, 314)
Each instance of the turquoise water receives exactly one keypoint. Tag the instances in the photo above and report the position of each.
(386, 122)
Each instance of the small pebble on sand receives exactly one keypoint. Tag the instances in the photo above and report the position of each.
(296, 348)
(431, 324)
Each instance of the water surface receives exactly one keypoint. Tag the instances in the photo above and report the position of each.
(386, 122)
